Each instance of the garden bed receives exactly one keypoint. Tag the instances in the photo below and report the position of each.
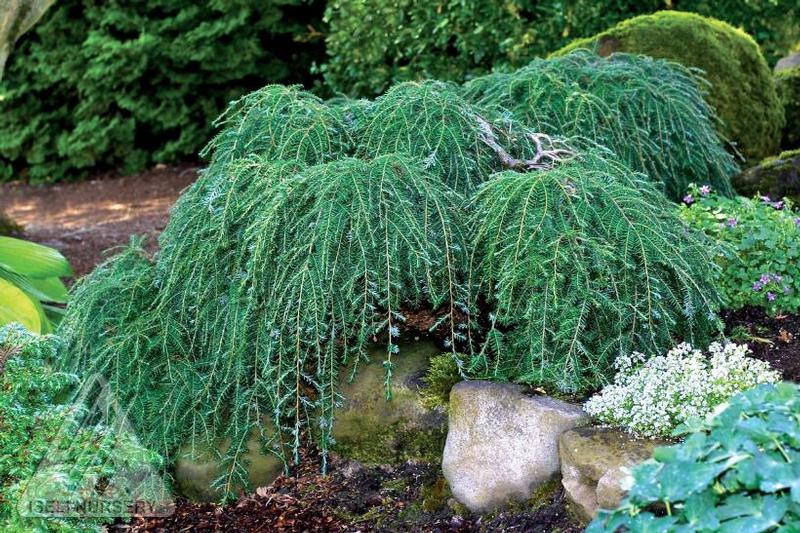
(82, 220)
(408, 497)
(772, 339)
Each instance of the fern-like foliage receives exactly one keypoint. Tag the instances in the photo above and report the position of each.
(581, 263)
(650, 112)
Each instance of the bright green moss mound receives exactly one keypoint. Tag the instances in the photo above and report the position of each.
(742, 88)
(788, 82)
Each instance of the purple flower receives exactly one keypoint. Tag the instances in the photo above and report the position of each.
(786, 289)
(797, 221)
(766, 199)
(777, 205)
(764, 278)
(757, 286)
(771, 297)
(688, 199)
(705, 190)
(732, 222)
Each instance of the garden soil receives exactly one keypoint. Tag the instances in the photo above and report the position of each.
(85, 219)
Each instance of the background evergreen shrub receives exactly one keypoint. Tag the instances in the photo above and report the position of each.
(372, 44)
(106, 85)
(742, 89)
(651, 113)
(737, 472)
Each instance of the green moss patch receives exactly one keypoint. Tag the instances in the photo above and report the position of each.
(742, 88)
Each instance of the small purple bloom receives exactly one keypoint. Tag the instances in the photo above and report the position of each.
(732, 222)
(766, 199)
(757, 286)
(771, 297)
(705, 190)
(777, 278)
(688, 199)
(797, 221)
(764, 279)
(777, 205)
(786, 289)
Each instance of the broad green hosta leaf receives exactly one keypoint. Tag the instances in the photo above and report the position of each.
(16, 306)
(32, 260)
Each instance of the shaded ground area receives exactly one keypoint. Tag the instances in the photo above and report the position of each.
(772, 339)
(409, 497)
(85, 219)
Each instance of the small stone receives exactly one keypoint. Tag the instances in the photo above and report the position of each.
(788, 62)
(595, 466)
(502, 444)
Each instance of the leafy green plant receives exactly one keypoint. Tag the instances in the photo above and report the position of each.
(739, 472)
(373, 44)
(741, 87)
(651, 397)
(125, 85)
(759, 241)
(651, 113)
(580, 263)
(30, 284)
(32, 415)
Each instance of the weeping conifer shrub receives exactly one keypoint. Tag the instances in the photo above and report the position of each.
(263, 293)
(650, 112)
(581, 263)
(317, 225)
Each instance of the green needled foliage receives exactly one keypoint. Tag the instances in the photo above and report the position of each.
(651, 113)
(317, 225)
(279, 122)
(263, 292)
(429, 120)
(582, 263)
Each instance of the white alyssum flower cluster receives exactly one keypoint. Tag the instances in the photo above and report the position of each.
(651, 397)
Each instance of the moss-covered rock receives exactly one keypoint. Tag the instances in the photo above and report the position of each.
(788, 82)
(776, 177)
(370, 429)
(197, 470)
(742, 87)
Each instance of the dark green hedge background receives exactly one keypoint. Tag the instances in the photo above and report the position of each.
(125, 84)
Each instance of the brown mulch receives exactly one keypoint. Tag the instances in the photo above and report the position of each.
(772, 339)
(85, 219)
(354, 497)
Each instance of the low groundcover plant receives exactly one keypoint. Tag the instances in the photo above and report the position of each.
(652, 397)
(759, 248)
(738, 472)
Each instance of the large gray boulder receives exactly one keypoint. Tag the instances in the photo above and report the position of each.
(502, 444)
(595, 466)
